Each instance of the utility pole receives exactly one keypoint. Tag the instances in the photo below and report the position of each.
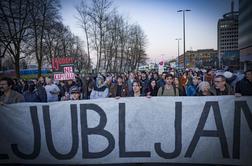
(184, 10)
(178, 39)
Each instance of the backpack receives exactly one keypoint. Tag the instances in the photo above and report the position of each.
(174, 90)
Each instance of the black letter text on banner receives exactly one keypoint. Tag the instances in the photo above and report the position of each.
(200, 132)
(178, 135)
(48, 133)
(37, 138)
(239, 107)
(98, 130)
(122, 144)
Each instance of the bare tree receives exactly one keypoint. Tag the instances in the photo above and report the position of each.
(13, 26)
(43, 12)
(118, 45)
(81, 56)
(52, 39)
(84, 20)
(137, 44)
(100, 10)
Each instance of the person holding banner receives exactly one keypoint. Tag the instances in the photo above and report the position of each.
(75, 93)
(221, 87)
(9, 96)
(244, 86)
(168, 89)
(204, 89)
(153, 88)
(136, 92)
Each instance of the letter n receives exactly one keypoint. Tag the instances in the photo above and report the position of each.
(239, 107)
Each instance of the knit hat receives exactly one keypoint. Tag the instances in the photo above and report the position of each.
(74, 89)
(99, 76)
(228, 74)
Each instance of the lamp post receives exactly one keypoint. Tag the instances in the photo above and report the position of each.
(184, 10)
(178, 39)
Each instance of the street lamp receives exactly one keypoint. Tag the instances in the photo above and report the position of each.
(178, 39)
(184, 10)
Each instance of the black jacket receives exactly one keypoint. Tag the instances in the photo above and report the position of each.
(244, 87)
(41, 93)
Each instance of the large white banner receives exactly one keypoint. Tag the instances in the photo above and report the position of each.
(204, 130)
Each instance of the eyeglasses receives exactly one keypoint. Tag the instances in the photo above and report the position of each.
(3, 84)
(75, 93)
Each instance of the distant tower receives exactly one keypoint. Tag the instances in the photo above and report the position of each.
(245, 33)
(228, 52)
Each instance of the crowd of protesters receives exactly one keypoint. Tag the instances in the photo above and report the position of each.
(149, 84)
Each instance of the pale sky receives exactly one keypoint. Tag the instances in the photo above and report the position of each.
(162, 24)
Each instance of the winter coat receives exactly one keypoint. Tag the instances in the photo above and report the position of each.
(244, 87)
(113, 90)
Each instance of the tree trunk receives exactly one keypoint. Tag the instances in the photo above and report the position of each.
(121, 60)
(40, 60)
(17, 68)
(88, 49)
(39, 68)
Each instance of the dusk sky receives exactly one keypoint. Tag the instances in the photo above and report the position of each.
(162, 24)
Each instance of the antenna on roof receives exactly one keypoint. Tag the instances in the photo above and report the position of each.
(232, 6)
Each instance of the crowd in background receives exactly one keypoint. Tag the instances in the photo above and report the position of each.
(172, 83)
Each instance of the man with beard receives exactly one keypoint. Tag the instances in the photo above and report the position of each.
(9, 96)
(31, 94)
(244, 86)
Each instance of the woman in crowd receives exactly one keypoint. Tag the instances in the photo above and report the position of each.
(184, 79)
(88, 85)
(152, 89)
(136, 92)
(179, 86)
(100, 89)
(191, 90)
(204, 89)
